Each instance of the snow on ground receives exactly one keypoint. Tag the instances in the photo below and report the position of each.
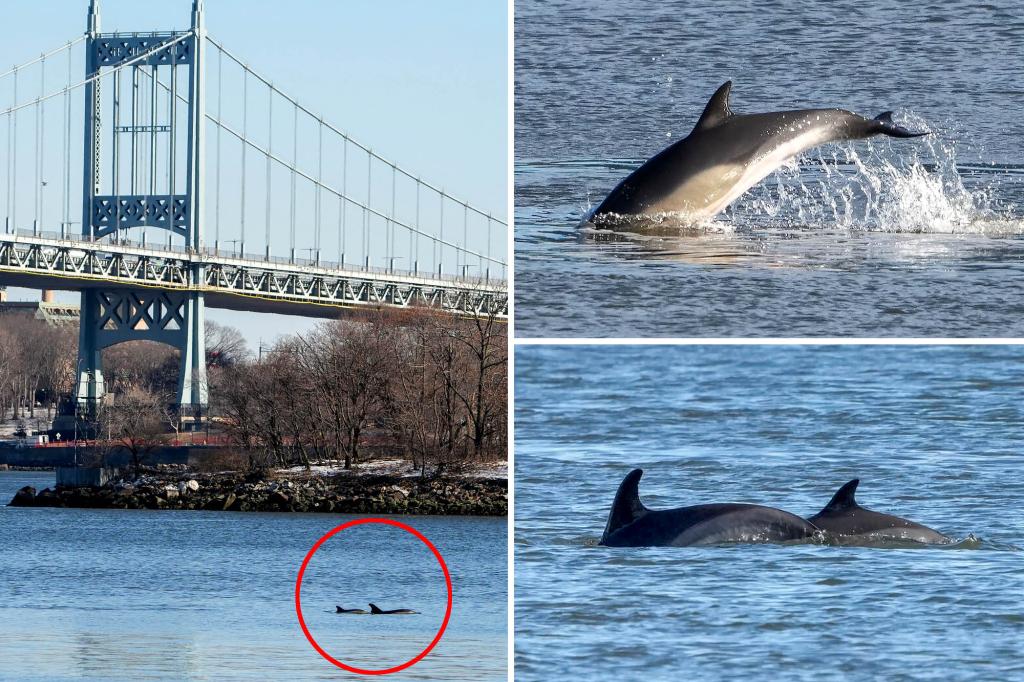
(394, 467)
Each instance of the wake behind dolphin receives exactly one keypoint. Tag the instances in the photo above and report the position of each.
(726, 154)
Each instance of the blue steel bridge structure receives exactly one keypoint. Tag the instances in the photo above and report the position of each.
(204, 184)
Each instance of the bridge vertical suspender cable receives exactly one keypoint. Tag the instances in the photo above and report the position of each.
(342, 204)
(270, 151)
(39, 149)
(415, 235)
(366, 214)
(66, 149)
(14, 167)
(295, 161)
(319, 181)
(220, 164)
(245, 147)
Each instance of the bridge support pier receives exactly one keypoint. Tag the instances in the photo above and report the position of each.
(90, 362)
(112, 316)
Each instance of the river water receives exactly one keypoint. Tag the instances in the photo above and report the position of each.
(132, 595)
(933, 433)
(875, 238)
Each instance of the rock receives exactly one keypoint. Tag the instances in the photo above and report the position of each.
(279, 498)
(171, 493)
(188, 487)
(25, 497)
(220, 503)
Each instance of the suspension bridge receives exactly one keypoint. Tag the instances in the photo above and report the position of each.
(172, 177)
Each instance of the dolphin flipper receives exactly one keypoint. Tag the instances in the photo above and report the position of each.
(885, 126)
(627, 507)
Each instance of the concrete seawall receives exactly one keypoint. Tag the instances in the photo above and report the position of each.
(50, 457)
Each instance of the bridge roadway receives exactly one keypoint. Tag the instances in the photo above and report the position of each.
(48, 261)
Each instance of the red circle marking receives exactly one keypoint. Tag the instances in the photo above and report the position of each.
(298, 598)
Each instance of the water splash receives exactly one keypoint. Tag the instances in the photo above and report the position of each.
(882, 186)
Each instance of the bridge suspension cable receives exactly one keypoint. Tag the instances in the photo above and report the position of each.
(299, 173)
(398, 206)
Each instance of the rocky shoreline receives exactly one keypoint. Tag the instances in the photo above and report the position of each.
(349, 494)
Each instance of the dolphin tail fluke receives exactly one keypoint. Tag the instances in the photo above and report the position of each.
(843, 499)
(885, 126)
(627, 507)
(375, 609)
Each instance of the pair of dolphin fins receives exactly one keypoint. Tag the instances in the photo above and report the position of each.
(630, 523)
(375, 610)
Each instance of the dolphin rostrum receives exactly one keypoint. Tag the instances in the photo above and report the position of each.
(842, 516)
(376, 610)
(630, 524)
(726, 154)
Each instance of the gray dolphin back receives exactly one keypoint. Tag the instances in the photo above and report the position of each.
(630, 524)
(842, 516)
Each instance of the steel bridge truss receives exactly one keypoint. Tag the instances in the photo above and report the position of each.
(236, 283)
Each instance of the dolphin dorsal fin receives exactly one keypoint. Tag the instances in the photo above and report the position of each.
(717, 109)
(843, 499)
(627, 507)
(375, 609)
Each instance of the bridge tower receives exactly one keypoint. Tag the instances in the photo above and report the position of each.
(144, 167)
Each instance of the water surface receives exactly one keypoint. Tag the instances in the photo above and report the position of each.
(131, 595)
(933, 433)
(880, 238)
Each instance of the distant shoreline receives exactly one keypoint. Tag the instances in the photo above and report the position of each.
(351, 492)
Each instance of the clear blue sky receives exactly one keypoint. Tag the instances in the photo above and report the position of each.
(424, 83)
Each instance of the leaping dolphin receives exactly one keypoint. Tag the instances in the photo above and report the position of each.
(842, 516)
(726, 154)
(631, 524)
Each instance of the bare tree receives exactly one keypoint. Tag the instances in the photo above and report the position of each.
(146, 365)
(482, 386)
(225, 345)
(347, 361)
(133, 421)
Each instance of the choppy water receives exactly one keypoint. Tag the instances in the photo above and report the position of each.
(877, 238)
(132, 595)
(934, 434)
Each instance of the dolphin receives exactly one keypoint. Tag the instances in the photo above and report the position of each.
(376, 610)
(354, 611)
(842, 516)
(726, 154)
(630, 524)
